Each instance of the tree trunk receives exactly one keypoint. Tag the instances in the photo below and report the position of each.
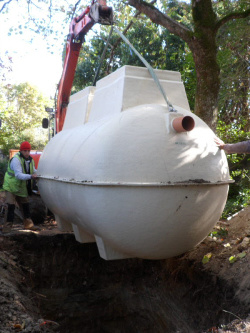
(202, 42)
(208, 81)
(204, 49)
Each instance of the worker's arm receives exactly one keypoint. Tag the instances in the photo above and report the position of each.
(231, 148)
(16, 166)
(35, 170)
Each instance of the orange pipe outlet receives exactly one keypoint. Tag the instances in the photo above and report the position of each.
(183, 124)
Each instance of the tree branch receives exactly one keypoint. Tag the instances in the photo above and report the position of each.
(120, 39)
(5, 4)
(158, 17)
(118, 42)
(231, 16)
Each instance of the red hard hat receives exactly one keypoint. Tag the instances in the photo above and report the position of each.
(25, 146)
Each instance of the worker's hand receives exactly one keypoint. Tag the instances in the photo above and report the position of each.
(34, 176)
(219, 143)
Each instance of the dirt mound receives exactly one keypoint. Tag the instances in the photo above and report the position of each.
(49, 282)
(228, 249)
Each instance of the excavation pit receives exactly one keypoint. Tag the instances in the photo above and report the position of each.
(71, 289)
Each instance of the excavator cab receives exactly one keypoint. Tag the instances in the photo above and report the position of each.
(101, 13)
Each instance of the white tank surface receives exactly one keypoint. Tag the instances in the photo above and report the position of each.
(120, 175)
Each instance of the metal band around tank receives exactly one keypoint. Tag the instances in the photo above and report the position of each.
(195, 182)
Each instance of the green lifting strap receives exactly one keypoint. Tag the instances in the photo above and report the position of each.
(102, 57)
(151, 71)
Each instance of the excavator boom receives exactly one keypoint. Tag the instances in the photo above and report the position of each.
(98, 12)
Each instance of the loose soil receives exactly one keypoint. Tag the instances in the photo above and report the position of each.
(51, 283)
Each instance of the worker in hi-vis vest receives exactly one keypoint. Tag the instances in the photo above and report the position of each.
(18, 181)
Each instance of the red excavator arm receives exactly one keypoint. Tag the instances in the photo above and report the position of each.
(98, 12)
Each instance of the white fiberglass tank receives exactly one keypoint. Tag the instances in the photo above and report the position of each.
(120, 175)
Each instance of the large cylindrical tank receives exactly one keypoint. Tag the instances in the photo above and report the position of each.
(134, 185)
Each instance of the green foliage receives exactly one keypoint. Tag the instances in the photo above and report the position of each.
(234, 258)
(188, 75)
(86, 68)
(3, 165)
(234, 121)
(3, 168)
(219, 233)
(233, 58)
(241, 255)
(239, 166)
(47, 18)
(206, 258)
(21, 113)
(238, 198)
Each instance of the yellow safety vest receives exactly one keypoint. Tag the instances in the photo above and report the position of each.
(14, 185)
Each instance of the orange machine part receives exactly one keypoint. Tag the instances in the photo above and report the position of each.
(35, 154)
